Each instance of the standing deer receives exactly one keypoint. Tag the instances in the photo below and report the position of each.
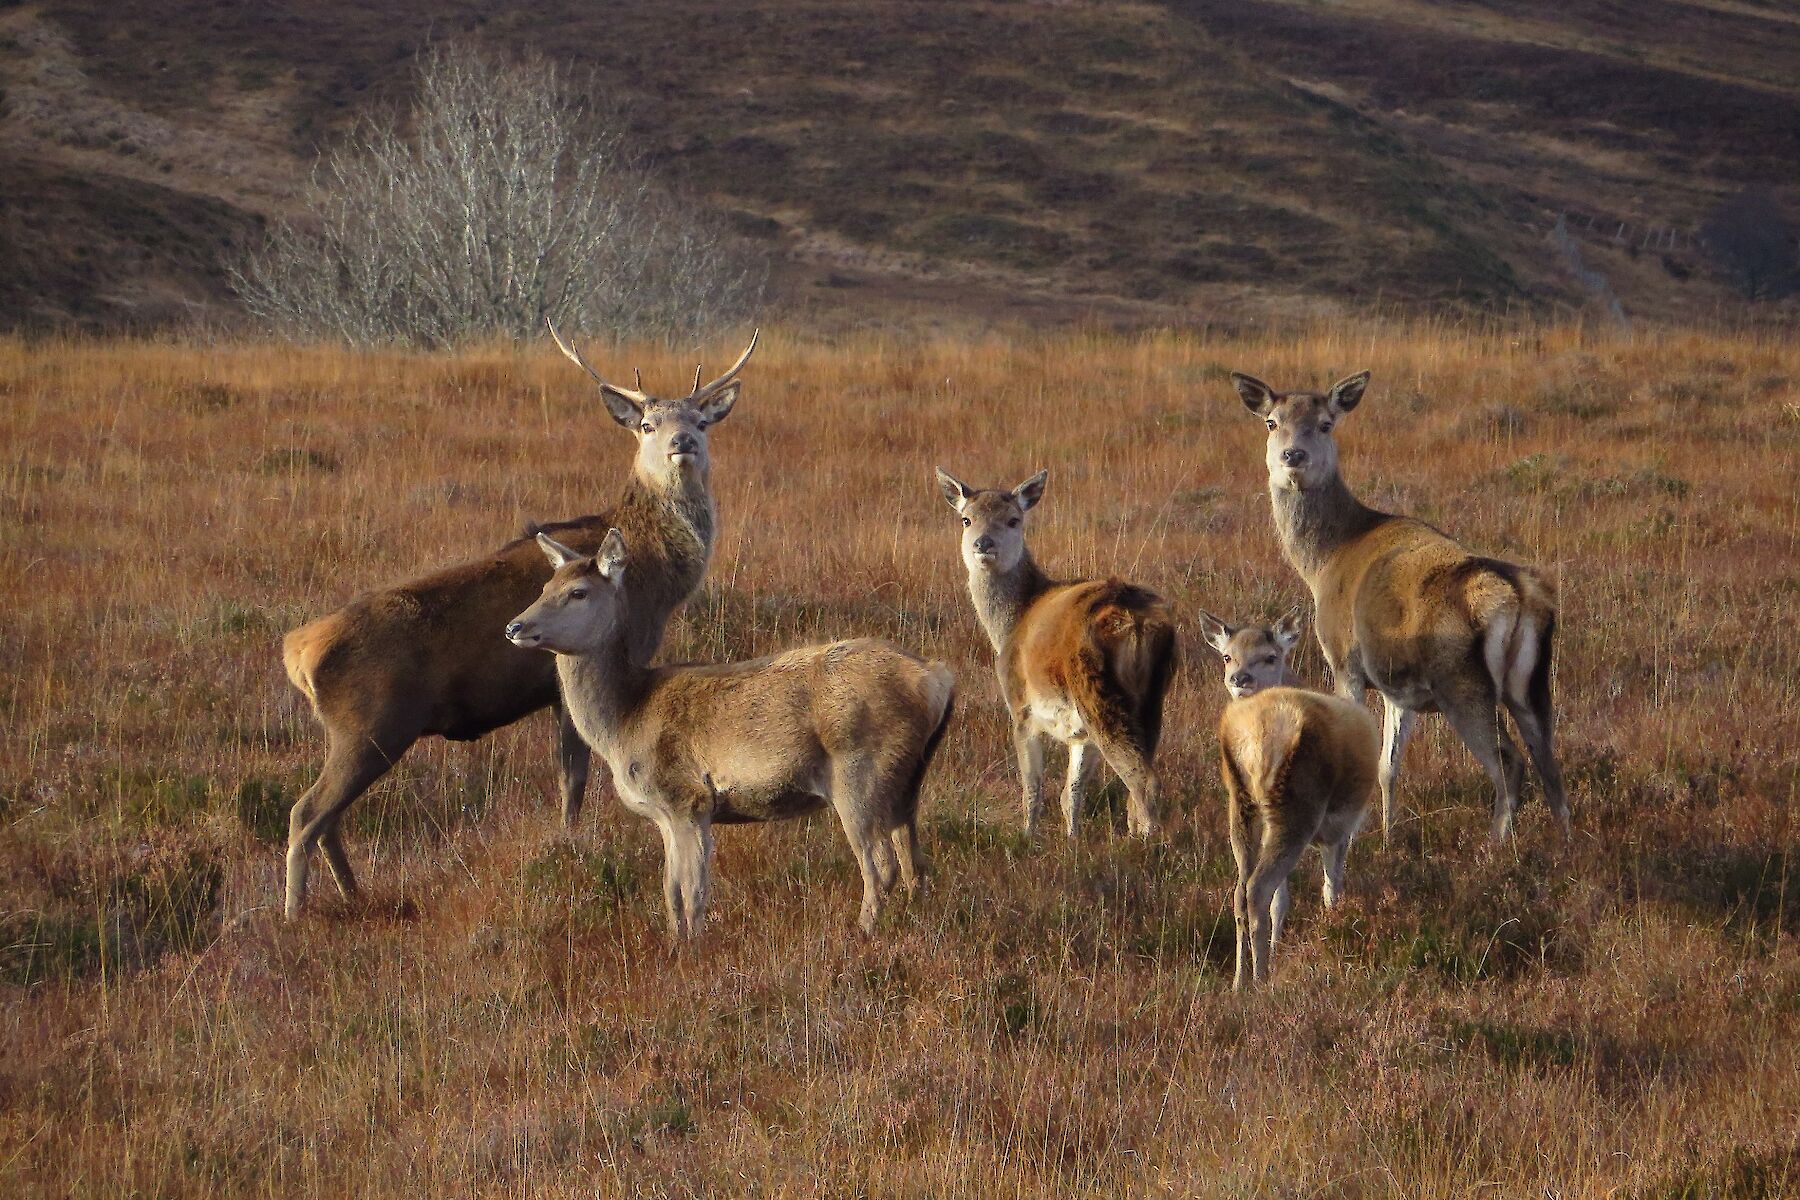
(1301, 763)
(1087, 662)
(1406, 610)
(851, 724)
(427, 657)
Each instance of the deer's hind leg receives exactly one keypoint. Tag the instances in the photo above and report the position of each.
(352, 764)
(1478, 723)
(1276, 857)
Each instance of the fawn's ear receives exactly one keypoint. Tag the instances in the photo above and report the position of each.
(1031, 491)
(1346, 393)
(1257, 396)
(611, 558)
(956, 492)
(1287, 629)
(1216, 632)
(558, 554)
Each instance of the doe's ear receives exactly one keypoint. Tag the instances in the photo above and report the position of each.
(1258, 396)
(956, 492)
(624, 409)
(558, 554)
(1031, 491)
(717, 406)
(1216, 632)
(1346, 393)
(1287, 629)
(611, 558)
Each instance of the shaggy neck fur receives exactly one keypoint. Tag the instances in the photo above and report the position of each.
(1001, 598)
(1314, 523)
(669, 525)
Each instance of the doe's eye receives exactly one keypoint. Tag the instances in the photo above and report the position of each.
(1013, 524)
(578, 593)
(1271, 424)
(967, 522)
(1324, 426)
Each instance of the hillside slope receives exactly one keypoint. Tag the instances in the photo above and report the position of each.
(1207, 160)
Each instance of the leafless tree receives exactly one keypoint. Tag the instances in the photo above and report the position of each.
(505, 195)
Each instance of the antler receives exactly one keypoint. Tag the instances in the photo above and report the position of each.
(700, 393)
(574, 356)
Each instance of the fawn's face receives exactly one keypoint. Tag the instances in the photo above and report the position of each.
(993, 521)
(1300, 452)
(1254, 656)
(580, 606)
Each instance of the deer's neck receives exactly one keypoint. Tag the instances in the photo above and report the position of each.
(1315, 523)
(1001, 598)
(669, 523)
(603, 688)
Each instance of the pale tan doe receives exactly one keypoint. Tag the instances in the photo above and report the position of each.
(1301, 764)
(852, 725)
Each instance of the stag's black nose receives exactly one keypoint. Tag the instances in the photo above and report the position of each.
(684, 443)
(1294, 457)
(515, 629)
(984, 544)
(1241, 680)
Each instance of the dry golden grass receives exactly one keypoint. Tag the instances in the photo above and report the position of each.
(501, 1016)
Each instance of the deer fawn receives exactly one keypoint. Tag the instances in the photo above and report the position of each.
(1301, 762)
(1405, 609)
(1087, 663)
(852, 724)
(427, 657)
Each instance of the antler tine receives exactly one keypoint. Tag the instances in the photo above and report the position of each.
(701, 393)
(574, 356)
(637, 376)
(696, 390)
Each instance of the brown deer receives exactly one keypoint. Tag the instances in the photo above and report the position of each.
(1086, 662)
(427, 657)
(1405, 609)
(852, 725)
(1301, 763)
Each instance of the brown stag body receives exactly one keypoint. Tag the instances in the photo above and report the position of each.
(1088, 663)
(852, 725)
(1299, 765)
(1405, 609)
(427, 657)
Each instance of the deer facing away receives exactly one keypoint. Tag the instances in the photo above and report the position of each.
(1300, 763)
(427, 657)
(852, 725)
(1086, 662)
(1405, 609)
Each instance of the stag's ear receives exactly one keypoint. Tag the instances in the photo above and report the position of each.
(1258, 396)
(1031, 491)
(611, 558)
(558, 554)
(956, 492)
(1216, 632)
(714, 408)
(1287, 629)
(1345, 393)
(624, 409)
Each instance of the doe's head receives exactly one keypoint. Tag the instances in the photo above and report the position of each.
(993, 520)
(1255, 656)
(671, 433)
(1300, 453)
(581, 605)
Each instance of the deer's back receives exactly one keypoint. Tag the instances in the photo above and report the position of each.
(1076, 635)
(1298, 747)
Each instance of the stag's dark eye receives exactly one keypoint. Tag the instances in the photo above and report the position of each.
(1271, 424)
(1226, 658)
(1013, 524)
(967, 522)
(647, 427)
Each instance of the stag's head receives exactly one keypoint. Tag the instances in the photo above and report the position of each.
(1301, 453)
(1255, 656)
(671, 434)
(582, 604)
(993, 520)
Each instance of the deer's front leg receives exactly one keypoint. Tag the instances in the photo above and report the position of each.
(1029, 744)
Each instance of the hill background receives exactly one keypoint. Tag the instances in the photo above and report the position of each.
(1219, 162)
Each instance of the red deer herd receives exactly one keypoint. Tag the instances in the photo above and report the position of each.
(570, 616)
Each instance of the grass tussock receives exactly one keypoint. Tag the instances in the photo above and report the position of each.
(500, 1014)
